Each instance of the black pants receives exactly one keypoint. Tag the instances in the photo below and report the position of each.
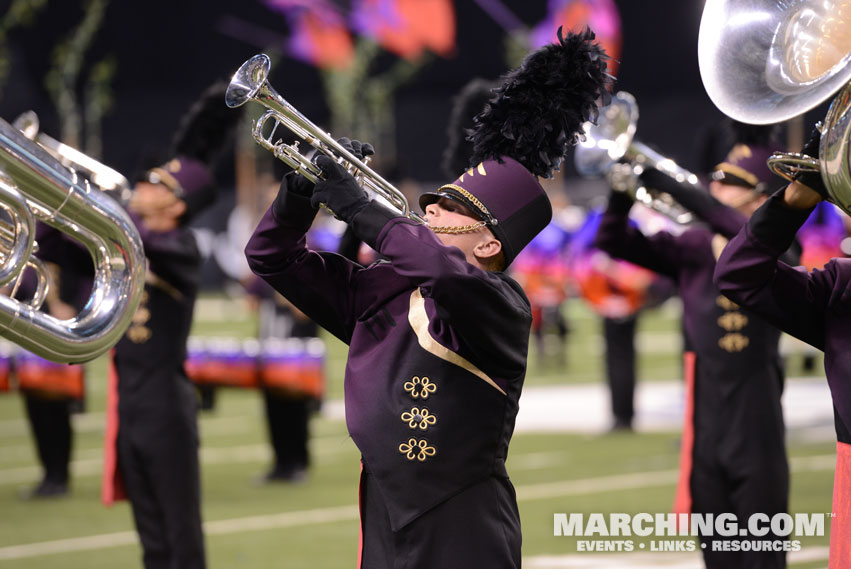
(288, 419)
(479, 527)
(158, 461)
(50, 421)
(619, 335)
(740, 464)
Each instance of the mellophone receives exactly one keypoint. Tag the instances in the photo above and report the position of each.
(293, 365)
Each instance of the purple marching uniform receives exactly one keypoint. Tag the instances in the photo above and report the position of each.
(157, 464)
(157, 445)
(437, 359)
(151, 439)
(438, 344)
(738, 457)
(812, 306)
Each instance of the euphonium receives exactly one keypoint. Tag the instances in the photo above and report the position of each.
(610, 149)
(764, 61)
(249, 83)
(34, 185)
(104, 177)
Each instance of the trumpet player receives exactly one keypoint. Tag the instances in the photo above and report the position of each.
(733, 456)
(438, 334)
(811, 306)
(152, 433)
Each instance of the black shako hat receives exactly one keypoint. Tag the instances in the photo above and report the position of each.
(190, 180)
(506, 196)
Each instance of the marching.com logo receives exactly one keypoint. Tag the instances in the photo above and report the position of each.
(721, 532)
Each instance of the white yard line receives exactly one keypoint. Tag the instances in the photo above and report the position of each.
(335, 514)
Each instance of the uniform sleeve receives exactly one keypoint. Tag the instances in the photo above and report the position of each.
(322, 285)
(489, 318)
(749, 273)
(617, 237)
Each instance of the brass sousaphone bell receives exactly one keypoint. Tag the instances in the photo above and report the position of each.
(766, 61)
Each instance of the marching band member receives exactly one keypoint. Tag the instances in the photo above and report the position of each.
(152, 444)
(49, 407)
(288, 409)
(733, 458)
(808, 305)
(438, 333)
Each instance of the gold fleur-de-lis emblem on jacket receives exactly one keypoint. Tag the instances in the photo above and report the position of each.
(139, 334)
(417, 417)
(734, 342)
(417, 450)
(420, 388)
(733, 321)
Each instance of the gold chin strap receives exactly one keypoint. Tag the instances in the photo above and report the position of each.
(458, 229)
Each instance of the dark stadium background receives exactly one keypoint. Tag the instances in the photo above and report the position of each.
(168, 50)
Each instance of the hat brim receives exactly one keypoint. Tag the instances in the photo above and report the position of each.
(429, 198)
(731, 179)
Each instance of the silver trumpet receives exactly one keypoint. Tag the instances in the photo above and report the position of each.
(765, 61)
(610, 149)
(34, 185)
(250, 83)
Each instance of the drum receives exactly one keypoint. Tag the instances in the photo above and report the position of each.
(226, 362)
(7, 351)
(35, 373)
(294, 365)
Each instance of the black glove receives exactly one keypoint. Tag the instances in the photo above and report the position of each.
(338, 191)
(294, 185)
(301, 186)
(297, 184)
(360, 149)
(813, 180)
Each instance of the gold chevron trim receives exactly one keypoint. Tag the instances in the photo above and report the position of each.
(418, 319)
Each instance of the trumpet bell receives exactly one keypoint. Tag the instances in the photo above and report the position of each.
(766, 61)
(248, 80)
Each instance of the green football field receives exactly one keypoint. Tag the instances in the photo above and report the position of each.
(314, 524)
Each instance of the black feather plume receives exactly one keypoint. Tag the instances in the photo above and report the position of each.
(206, 128)
(539, 109)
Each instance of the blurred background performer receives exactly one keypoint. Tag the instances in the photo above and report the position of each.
(50, 407)
(737, 460)
(618, 291)
(438, 336)
(287, 409)
(812, 306)
(152, 451)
